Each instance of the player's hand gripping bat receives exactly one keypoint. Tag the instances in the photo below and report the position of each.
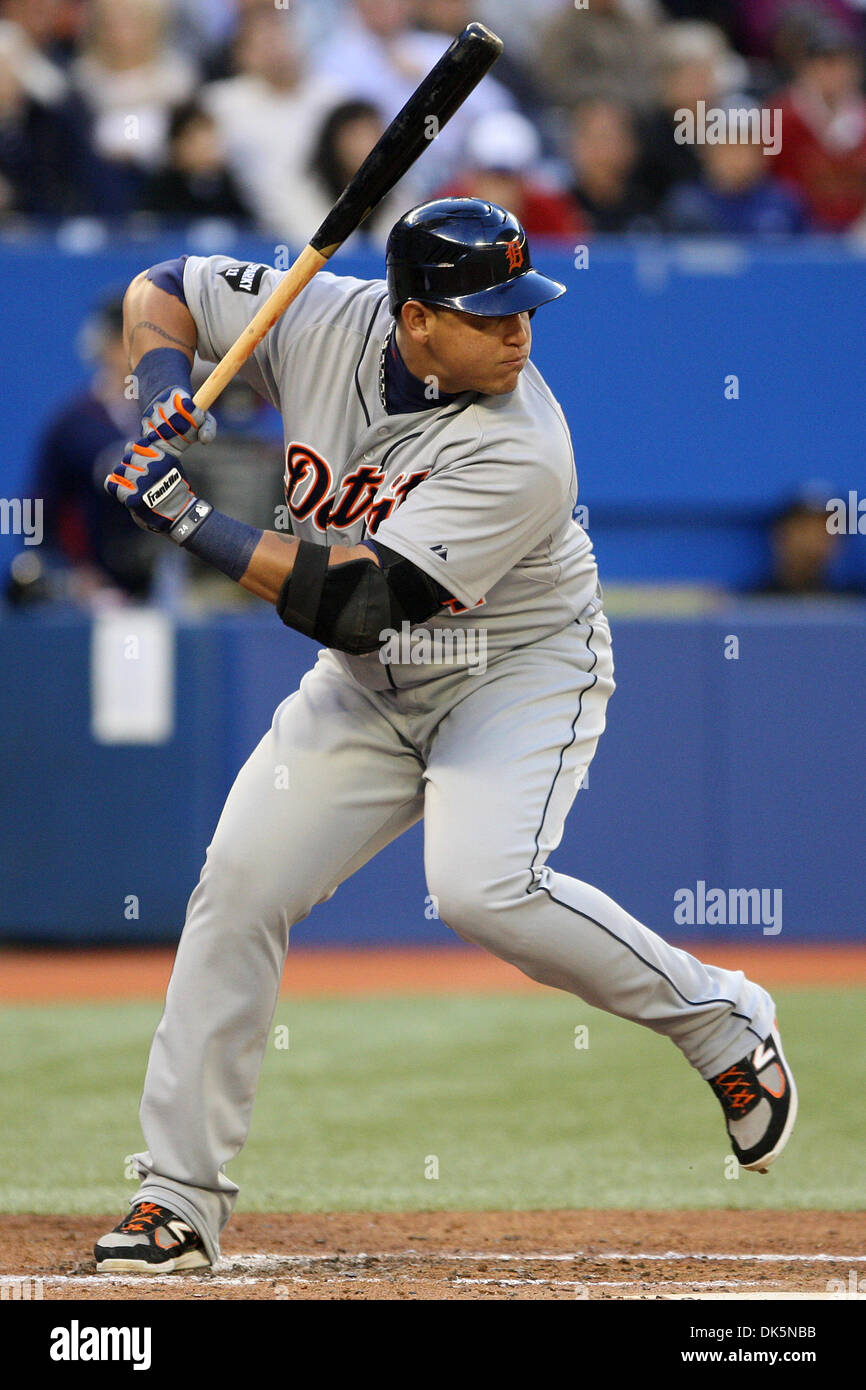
(434, 102)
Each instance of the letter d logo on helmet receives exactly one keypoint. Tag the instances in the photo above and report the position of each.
(465, 254)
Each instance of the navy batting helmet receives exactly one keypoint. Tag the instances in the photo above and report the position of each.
(465, 254)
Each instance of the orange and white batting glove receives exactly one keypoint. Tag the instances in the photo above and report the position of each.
(151, 484)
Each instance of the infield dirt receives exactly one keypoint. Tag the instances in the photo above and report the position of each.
(466, 1255)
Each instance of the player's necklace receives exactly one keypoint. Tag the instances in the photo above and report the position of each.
(382, 356)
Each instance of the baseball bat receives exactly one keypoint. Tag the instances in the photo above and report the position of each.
(439, 95)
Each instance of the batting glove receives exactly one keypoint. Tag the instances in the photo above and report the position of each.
(176, 421)
(151, 484)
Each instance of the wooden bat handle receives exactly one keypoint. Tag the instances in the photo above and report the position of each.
(299, 274)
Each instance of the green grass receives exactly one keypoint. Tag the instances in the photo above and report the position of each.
(492, 1086)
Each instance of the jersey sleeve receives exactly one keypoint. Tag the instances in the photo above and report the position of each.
(470, 524)
(223, 296)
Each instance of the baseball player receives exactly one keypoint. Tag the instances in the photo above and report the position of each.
(431, 486)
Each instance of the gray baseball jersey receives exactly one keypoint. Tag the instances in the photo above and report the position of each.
(478, 492)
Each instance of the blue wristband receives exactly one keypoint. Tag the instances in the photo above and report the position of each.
(159, 369)
(226, 544)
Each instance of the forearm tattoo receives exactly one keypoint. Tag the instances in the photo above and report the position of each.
(160, 332)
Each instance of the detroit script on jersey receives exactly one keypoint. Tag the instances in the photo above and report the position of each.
(480, 493)
(338, 504)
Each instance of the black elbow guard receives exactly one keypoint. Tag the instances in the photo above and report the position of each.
(349, 606)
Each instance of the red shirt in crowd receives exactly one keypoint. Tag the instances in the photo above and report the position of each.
(825, 161)
(542, 211)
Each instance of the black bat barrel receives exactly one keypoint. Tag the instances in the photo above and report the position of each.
(442, 92)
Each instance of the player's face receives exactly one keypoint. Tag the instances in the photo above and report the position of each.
(471, 352)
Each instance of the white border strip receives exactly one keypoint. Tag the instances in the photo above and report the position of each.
(137, 1281)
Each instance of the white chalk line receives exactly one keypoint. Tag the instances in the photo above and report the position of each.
(253, 1261)
(249, 1270)
(625, 1283)
(229, 1267)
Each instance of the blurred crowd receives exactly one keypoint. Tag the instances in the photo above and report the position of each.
(257, 112)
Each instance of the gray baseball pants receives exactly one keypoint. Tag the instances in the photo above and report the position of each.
(492, 763)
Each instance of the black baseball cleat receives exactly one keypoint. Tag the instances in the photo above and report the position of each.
(759, 1099)
(150, 1240)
